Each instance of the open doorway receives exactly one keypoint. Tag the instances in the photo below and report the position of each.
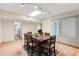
(17, 30)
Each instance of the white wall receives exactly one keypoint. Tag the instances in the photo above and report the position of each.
(68, 27)
(77, 30)
(7, 30)
(29, 27)
(46, 26)
(68, 32)
(0, 29)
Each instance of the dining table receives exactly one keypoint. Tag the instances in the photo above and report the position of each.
(40, 40)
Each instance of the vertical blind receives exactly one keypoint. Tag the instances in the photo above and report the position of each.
(65, 27)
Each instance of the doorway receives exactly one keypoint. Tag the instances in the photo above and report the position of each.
(17, 30)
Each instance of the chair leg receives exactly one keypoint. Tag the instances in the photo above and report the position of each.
(31, 52)
(54, 52)
(49, 52)
(25, 47)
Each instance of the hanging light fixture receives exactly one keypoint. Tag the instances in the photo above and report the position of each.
(38, 10)
(22, 5)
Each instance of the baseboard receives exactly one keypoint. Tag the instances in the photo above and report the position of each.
(4, 42)
(67, 44)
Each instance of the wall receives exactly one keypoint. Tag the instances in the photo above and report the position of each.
(68, 33)
(47, 23)
(0, 29)
(67, 24)
(7, 30)
(29, 27)
(78, 30)
(46, 26)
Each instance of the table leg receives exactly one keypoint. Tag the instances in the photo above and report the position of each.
(40, 49)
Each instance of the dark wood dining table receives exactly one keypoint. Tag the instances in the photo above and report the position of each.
(40, 40)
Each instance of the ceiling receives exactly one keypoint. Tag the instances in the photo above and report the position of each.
(50, 9)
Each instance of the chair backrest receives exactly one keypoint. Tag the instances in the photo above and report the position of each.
(29, 38)
(52, 41)
(47, 34)
(29, 32)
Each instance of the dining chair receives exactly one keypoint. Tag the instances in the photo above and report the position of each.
(35, 48)
(31, 45)
(29, 32)
(25, 41)
(47, 34)
(29, 38)
(49, 47)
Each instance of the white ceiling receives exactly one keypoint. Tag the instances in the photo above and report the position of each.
(53, 8)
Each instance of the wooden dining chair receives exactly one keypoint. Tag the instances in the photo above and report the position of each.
(29, 32)
(35, 48)
(29, 39)
(25, 41)
(47, 34)
(49, 47)
(31, 44)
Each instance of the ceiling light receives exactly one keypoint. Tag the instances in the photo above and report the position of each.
(35, 6)
(43, 13)
(35, 13)
(22, 5)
